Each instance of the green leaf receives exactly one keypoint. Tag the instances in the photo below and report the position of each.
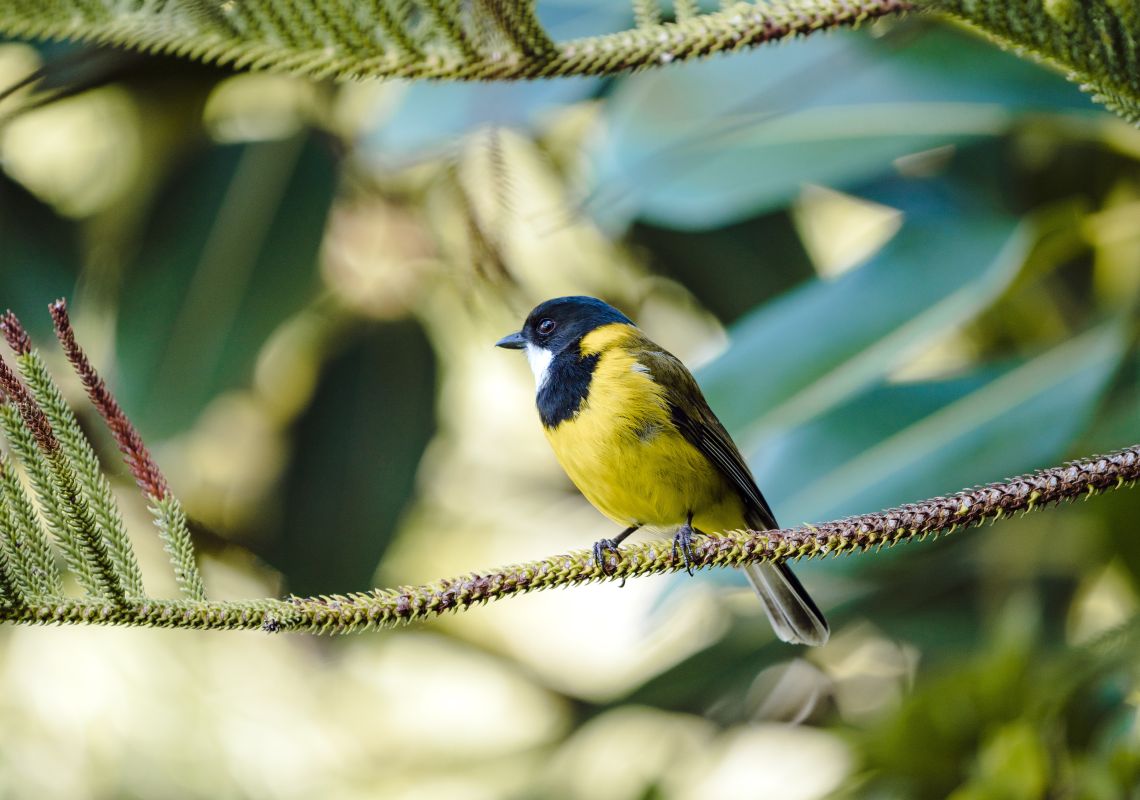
(711, 143)
(356, 450)
(898, 443)
(39, 256)
(228, 253)
(1119, 420)
(807, 351)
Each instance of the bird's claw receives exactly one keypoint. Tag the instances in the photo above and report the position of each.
(683, 542)
(600, 548)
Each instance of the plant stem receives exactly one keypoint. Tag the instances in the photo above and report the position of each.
(385, 608)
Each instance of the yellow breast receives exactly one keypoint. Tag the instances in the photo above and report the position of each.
(624, 453)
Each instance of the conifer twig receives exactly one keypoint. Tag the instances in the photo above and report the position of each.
(384, 608)
(85, 464)
(79, 532)
(167, 510)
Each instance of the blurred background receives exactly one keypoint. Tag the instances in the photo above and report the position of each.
(901, 262)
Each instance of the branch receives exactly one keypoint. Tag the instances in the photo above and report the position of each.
(46, 443)
(65, 505)
(385, 608)
(345, 40)
(166, 508)
(1094, 42)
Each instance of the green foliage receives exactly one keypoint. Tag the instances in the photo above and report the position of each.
(192, 326)
(821, 367)
(30, 560)
(502, 39)
(1011, 725)
(91, 483)
(74, 497)
(715, 164)
(1096, 41)
(993, 333)
(50, 502)
(357, 494)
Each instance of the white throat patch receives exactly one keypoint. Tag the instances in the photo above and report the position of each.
(539, 359)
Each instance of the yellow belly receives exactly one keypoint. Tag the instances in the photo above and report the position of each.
(624, 454)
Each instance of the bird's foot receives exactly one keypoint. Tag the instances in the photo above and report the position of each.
(601, 547)
(683, 543)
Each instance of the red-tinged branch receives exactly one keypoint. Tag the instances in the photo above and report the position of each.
(76, 511)
(168, 514)
(15, 334)
(142, 466)
(33, 416)
(936, 516)
(384, 608)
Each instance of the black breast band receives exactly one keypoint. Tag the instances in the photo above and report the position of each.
(567, 386)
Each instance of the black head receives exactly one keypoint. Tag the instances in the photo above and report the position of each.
(559, 323)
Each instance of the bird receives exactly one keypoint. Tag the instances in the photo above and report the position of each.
(629, 425)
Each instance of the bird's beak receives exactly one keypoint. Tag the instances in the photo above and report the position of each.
(512, 341)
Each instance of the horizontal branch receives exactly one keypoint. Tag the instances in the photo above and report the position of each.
(382, 608)
(253, 39)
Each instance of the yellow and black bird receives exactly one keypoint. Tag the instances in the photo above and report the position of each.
(631, 428)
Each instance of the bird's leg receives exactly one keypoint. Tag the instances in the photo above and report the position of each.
(602, 545)
(683, 541)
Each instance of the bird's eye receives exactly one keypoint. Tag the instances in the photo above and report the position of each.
(546, 327)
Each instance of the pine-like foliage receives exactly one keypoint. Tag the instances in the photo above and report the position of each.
(54, 499)
(1096, 42)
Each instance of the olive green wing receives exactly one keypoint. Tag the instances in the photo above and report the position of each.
(700, 427)
(794, 615)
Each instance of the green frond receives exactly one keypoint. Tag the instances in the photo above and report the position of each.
(167, 511)
(171, 523)
(24, 539)
(93, 485)
(25, 449)
(686, 9)
(107, 582)
(646, 13)
(11, 594)
(1095, 42)
(422, 38)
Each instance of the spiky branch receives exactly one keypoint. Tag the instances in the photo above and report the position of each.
(167, 510)
(1096, 42)
(81, 515)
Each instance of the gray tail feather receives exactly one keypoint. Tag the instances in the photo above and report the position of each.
(795, 618)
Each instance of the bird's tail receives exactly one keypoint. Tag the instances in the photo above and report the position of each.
(794, 616)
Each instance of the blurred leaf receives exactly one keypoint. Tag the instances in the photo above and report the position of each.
(709, 143)
(432, 115)
(574, 19)
(1118, 423)
(228, 253)
(39, 256)
(357, 448)
(759, 258)
(991, 707)
(895, 444)
(1012, 765)
(810, 349)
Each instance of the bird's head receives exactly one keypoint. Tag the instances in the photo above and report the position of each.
(556, 325)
